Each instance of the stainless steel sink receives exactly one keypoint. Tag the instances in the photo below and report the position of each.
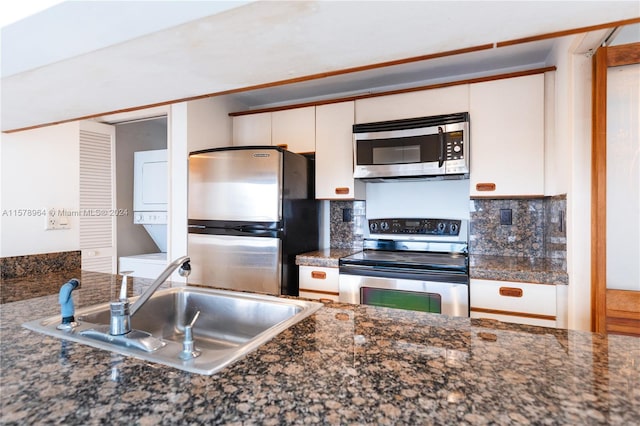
(230, 325)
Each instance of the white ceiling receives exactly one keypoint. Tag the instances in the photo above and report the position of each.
(86, 58)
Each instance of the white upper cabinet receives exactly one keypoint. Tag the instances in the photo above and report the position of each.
(424, 103)
(252, 129)
(294, 129)
(507, 137)
(334, 153)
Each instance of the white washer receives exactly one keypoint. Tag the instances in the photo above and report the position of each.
(150, 189)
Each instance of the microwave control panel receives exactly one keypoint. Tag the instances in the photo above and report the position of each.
(455, 145)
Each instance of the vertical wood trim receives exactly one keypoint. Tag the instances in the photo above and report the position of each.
(620, 323)
(598, 192)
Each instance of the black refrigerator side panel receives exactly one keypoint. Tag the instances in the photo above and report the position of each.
(300, 215)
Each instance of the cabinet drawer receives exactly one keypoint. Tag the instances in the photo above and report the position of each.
(319, 283)
(534, 301)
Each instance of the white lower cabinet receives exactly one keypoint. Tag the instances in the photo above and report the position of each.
(319, 283)
(516, 302)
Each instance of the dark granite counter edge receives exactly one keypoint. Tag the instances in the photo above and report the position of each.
(529, 277)
(329, 258)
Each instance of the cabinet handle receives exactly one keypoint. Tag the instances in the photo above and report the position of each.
(510, 292)
(283, 146)
(485, 186)
(342, 191)
(319, 275)
(441, 139)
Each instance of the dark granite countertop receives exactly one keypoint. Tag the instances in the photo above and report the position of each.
(327, 258)
(500, 268)
(346, 364)
(519, 269)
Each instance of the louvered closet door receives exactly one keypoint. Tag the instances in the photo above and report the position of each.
(97, 197)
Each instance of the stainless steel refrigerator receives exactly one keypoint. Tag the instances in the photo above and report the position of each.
(251, 211)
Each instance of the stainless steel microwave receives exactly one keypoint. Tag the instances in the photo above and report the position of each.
(424, 147)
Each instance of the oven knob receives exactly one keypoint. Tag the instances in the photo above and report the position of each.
(457, 148)
(373, 226)
(441, 226)
(453, 229)
(384, 226)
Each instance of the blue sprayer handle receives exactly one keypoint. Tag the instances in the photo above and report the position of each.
(66, 300)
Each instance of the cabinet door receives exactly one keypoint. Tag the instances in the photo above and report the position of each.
(295, 129)
(334, 153)
(424, 103)
(522, 303)
(507, 137)
(319, 283)
(252, 129)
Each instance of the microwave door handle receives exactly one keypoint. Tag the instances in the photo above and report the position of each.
(441, 138)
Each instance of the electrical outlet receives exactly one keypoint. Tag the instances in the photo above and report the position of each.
(347, 215)
(50, 220)
(55, 221)
(506, 217)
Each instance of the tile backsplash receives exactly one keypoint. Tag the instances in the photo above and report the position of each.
(537, 228)
(347, 219)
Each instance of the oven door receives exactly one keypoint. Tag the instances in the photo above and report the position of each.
(449, 298)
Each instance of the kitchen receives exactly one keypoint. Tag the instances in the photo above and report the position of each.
(201, 139)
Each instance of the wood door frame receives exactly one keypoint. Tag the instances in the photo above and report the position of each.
(604, 58)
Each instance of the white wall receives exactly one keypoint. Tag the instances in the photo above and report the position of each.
(406, 199)
(209, 124)
(572, 172)
(40, 170)
(192, 126)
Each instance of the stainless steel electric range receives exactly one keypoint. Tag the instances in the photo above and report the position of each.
(414, 264)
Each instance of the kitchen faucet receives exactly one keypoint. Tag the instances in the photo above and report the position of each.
(184, 271)
(121, 313)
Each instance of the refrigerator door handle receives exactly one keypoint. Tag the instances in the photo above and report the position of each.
(255, 228)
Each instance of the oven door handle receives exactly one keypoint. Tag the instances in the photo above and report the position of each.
(441, 138)
(435, 276)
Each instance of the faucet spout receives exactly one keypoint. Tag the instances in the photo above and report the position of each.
(185, 269)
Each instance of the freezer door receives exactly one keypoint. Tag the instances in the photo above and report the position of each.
(238, 263)
(236, 185)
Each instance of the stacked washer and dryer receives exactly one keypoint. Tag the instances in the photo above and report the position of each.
(150, 201)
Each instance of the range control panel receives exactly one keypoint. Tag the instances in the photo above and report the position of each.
(444, 227)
